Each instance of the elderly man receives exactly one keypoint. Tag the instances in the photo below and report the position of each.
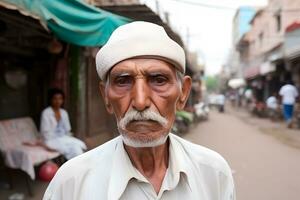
(143, 85)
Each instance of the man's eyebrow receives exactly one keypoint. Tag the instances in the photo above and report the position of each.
(154, 72)
(157, 73)
(120, 73)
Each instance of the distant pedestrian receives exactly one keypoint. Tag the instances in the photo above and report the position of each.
(248, 97)
(272, 106)
(232, 97)
(221, 102)
(288, 93)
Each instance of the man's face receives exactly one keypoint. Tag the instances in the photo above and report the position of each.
(138, 86)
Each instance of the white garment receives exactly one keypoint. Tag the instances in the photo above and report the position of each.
(289, 94)
(60, 138)
(272, 103)
(221, 99)
(107, 173)
(49, 123)
(248, 94)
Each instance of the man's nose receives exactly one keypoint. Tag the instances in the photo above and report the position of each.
(140, 95)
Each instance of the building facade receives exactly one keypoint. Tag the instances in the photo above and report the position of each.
(240, 26)
(261, 49)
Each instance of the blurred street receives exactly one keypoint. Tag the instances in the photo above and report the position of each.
(244, 53)
(264, 156)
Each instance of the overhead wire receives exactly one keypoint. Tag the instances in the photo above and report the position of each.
(231, 8)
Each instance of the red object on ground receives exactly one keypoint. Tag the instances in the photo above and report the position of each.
(47, 171)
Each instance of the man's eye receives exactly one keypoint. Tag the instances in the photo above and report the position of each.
(123, 80)
(158, 79)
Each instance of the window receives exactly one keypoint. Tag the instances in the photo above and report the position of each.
(261, 38)
(278, 22)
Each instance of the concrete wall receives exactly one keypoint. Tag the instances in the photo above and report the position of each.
(241, 23)
(264, 34)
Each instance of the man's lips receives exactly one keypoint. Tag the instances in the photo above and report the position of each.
(143, 122)
(143, 125)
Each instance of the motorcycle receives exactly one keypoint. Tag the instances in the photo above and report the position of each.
(201, 111)
(182, 122)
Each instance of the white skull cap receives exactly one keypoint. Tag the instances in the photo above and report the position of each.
(139, 39)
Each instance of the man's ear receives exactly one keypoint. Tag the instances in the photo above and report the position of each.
(103, 94)
(185, 92)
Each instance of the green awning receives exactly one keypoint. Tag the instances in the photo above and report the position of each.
(73, 21)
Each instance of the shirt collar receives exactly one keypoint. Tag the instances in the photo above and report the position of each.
(178, 164)
(123, 170)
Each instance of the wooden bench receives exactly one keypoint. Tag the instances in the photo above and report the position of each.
(20, 145)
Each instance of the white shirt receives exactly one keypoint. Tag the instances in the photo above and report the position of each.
(272, 102)
(106, 172)
(57, 135)
(49, 123)
(221, 99)
(248, 94)
(289, 94)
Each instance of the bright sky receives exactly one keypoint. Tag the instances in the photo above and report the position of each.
(209, 28)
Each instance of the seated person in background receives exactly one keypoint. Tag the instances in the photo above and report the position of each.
(55, 127)
(272, 106)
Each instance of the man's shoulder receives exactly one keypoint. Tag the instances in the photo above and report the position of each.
(283, 90)
(202, 156)
(288, 87)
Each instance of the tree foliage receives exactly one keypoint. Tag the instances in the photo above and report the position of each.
(211, 83)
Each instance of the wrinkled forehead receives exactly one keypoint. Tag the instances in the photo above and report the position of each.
(143, 65)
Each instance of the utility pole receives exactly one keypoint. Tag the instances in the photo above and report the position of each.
(157, 7)
(187, 37)
(167, 18)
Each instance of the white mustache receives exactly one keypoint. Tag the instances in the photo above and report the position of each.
(134, 115)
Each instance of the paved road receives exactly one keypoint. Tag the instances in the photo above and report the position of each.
(263, 167)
